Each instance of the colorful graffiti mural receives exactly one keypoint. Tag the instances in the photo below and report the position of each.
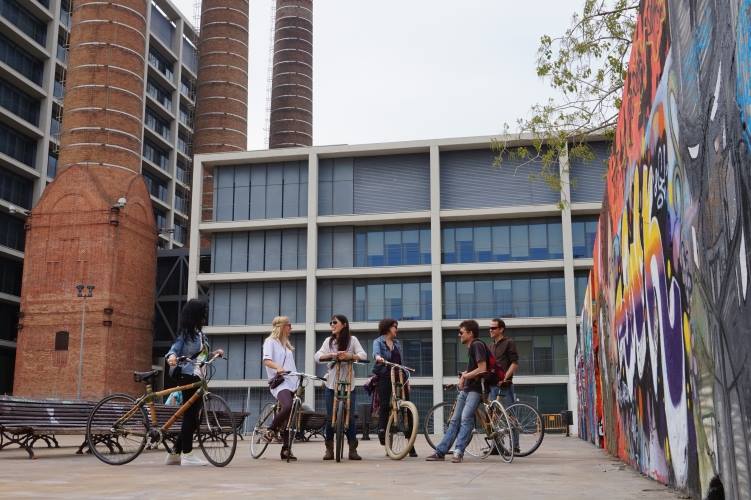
(664, 348)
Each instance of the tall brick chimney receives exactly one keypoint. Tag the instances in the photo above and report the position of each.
(94, 224)
(291, 112)
(222, 95)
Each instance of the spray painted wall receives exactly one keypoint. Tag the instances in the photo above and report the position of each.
(664, 349)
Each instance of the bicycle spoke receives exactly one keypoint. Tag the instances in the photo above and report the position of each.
(217, 435)
(113, 438)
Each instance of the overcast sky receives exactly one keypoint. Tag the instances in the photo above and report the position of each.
(391, 70)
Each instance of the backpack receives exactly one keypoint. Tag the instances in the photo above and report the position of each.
(495, 373)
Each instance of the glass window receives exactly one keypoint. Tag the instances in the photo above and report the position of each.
(425, 246)
(20, 60)
(538, 241)
(501, 244)
(519, 242)
(375, 303)
(555, 240)
(448, 245)
(375, 248)
(361, 241)
(484, 304)
(393, 246)
(465, 298)
(393, 300)
(410, 301)
(557, 297)
(464, 244)
(540, 297)
(520, 294)
(411, 246)
(483, 245)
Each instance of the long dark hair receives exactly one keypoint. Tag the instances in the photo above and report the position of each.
(342, 341)
(192, 318)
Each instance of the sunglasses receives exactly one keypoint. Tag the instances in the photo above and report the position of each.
(494, 328)
(334, 322)
(460, 333)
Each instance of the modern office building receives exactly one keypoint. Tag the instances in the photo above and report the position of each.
(428, 232)
(34, 37)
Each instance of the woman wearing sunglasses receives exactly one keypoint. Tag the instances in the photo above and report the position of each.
(341, 346)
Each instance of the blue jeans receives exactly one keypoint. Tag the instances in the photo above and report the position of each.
(329, 431)
(462, 421)
(507, 399)
(507, 394)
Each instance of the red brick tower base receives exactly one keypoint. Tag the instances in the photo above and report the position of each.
(78, 233)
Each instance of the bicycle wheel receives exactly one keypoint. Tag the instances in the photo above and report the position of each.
(433, 435)
(217, 434)
(292, 426)
(117, 429)
(527, 428)
(401, 430)
(501, 437)
(258, 442)
(339, 431)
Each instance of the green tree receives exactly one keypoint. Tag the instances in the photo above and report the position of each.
(586, 66)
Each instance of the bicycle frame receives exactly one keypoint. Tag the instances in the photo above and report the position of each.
(343, 391)
(148, 400)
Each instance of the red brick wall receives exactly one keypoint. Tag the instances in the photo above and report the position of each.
(75, 235)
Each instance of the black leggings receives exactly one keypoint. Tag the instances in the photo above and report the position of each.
(184, 443)
(384, 394)
(280, 420)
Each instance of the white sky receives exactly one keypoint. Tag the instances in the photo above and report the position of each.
(390, 70)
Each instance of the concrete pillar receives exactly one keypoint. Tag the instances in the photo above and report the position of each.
(435, 279)
(569, 285)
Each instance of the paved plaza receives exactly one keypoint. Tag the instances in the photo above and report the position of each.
(562, 468)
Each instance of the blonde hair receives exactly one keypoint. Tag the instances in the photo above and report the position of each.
(276, 331)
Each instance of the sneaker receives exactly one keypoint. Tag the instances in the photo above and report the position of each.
(458, 457)
(435, 457)
(172, 459)
(191, 460)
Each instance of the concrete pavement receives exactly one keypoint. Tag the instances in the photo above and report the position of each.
(562, 468)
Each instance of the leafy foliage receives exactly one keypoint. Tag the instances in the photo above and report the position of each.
(587, 66)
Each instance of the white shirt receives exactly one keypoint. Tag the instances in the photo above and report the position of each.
(354, 348)
(276, 352)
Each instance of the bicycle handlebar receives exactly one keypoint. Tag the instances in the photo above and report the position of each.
(394, 365)
(182, 359)
(305, 375)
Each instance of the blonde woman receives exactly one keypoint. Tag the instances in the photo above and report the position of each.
(279, 358)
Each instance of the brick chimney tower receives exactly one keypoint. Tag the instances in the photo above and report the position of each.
(221, 123)
(291, 111)
(94, 224)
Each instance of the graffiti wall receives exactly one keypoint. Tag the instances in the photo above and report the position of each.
(664, 348)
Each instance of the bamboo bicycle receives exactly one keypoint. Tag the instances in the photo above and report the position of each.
(120, 426)
(342, 405)
(401, 429)
(259, 439)
(491, 421)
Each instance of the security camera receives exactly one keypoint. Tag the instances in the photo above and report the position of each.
(121, 202)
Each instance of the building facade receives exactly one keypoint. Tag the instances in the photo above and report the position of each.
(427, 232)
(34, 37)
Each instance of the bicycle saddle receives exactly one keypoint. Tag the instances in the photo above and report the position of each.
(145, 376)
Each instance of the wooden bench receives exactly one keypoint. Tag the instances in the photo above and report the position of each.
(24, 422)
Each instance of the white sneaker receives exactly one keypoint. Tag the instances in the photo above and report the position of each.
(190, 460)
(172, 459)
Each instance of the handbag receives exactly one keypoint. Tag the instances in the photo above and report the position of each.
(277, 379)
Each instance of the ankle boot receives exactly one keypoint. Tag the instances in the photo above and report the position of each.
(329, 455)
(353, 451)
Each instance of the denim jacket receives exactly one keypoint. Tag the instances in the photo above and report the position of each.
(381, 349)
(184, 346)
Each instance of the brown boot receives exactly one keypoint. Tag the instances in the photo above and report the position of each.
(353, 451)
(329, 455)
